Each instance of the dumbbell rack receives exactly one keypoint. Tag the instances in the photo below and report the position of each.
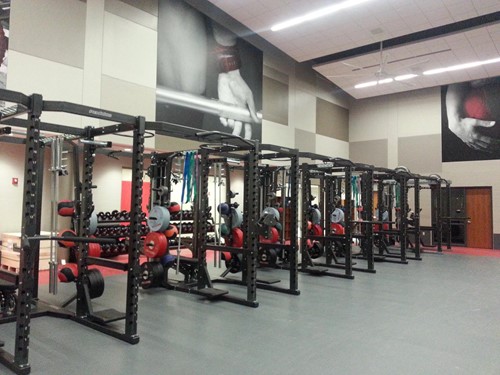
(109, 227)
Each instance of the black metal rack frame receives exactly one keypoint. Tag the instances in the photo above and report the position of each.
(291, 156)
(217, 147)
(27, 283)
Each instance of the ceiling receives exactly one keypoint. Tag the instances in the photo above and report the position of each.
(415, 36)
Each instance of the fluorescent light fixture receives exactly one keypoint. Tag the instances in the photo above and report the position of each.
(386, 80)
(461, 66)
(127, 149)
(316, 14)
(366, 84)
(6, 8)
(404, 77)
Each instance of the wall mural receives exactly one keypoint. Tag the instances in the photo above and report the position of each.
(4, 45)
(470, 114)
(207, 77)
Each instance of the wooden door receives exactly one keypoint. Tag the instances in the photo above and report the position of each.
(480, 225)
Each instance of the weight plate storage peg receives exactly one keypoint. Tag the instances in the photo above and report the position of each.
(155, 245)
(159, 219)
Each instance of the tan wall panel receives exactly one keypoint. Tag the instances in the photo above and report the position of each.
(332, 120)
(275, 101)
(51, 29)
(369, 152)
(305, 141)
(421, 154)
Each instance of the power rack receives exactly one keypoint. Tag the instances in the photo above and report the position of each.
(217, 147)
(28, 305)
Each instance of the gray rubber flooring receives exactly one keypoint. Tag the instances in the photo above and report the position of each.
(439, 316)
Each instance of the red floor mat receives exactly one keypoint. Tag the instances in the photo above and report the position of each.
(467, 251)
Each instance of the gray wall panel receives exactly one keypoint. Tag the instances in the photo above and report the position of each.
(421, 154)
(332, 120)
(305, 141)
(275, 100)
(369, 152)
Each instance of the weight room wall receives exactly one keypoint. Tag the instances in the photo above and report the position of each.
(94, 52)
(303, 110)
(405, 129)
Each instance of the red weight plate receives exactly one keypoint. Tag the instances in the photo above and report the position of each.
(155, 245)
(66, 208)
(68, 273)
(94, 250)
(66, 233)
(273, 236)
(237, 235)
(317, 230)
(337, 228)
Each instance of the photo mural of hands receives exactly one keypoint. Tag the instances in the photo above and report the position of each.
(207, 77)
(234, 90)
(472, 111)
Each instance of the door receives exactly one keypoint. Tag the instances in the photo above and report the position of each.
(480, 225)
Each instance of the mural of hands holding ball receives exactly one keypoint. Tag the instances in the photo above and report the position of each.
(472, 115)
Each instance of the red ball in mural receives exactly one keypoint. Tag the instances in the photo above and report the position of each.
(483, 103)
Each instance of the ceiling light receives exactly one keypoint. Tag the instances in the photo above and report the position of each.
(316, 14)
(404, 77)
(385, 80)
(366, 84)
(127, 149)
(461, 66)
(6, 8)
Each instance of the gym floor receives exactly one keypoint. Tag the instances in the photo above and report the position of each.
(438, 316)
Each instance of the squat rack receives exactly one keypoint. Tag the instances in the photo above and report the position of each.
(217, 147)
(27, 281)
(288, 246)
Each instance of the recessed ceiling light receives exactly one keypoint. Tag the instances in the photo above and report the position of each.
(461, 66)
(316, 14)
(366, 84)
(404, 77)
(386, 80)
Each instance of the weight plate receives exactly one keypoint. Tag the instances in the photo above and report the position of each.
(155, 245)
(337, 228)
(236, 218)
(271, 210)
(159, 219)
(237, 238)
(315, 216)
(317, 230)
(272, 236)
(93, 223)
(66, 233)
